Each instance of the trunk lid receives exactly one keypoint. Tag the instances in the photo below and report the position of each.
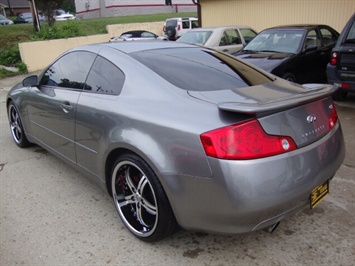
(282, 108)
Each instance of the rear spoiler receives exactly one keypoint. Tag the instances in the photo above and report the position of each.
(314, 93)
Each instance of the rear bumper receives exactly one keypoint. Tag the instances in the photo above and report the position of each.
(244, 196)
(333, 78)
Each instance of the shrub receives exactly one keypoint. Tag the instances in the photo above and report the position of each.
(58, 31)
(10, 57)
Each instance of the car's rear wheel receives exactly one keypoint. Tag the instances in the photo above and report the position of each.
(16, 128)
(140, 199)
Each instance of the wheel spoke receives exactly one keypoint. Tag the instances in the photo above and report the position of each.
(124, 201)
(143, 183)
(130, 183)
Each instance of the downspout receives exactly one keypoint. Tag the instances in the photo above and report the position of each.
(197, 2)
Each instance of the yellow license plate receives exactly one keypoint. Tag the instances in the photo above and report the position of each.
(319, 193)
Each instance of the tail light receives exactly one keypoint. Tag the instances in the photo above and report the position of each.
(333, 118)
(178, 27)
(164, 28)
(343, 85)
(244, 141)
(334, 58)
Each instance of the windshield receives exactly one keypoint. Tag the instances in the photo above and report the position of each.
(279, 41)
(195, 37)
(2, 17)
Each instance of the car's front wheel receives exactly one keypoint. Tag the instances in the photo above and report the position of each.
(140, 199)
(16, 128)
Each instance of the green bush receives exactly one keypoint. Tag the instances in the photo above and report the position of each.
(10, 57)
(58, 31)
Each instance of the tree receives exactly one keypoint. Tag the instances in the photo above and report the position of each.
(47, 7)
(69, 6)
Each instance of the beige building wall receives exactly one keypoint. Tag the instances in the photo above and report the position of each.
(261, 14)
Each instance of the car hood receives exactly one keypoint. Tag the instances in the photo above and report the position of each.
(270, 97)
(265, 61)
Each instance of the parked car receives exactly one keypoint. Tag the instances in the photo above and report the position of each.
(226, 39)
(183, 135)
(341, 68)
(61, 15)
(26, 18)
(138, 35)
(298, 53)
(174, 28)
(5, 21)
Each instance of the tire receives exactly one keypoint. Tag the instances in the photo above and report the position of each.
(140, 199)
(16, 128)
(290, 77)
(340, 95)
(171, 32)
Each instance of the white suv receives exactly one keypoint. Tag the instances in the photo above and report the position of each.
(175, 27)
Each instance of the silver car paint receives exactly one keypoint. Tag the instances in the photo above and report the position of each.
(163, 126)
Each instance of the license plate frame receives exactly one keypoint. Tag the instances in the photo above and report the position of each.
(318, 194)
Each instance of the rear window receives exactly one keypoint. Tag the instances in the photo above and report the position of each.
(351, 35)
(171, 23)
(197, 69)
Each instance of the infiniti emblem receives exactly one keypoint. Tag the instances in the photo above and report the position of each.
(311, 118)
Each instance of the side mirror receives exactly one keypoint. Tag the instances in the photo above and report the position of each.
(30, 81)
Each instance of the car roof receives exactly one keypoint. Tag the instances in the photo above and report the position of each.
(221, 28)
(131, 47)
(299, 26)
(182, 18)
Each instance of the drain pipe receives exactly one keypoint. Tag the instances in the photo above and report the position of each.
(197, 2)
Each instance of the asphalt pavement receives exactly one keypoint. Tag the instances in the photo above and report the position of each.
(52, 215)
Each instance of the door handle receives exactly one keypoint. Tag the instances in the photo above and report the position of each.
(66, 107)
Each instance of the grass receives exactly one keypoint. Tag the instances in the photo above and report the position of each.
(11, 35)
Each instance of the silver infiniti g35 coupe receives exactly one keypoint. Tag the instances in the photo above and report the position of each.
(183, 136)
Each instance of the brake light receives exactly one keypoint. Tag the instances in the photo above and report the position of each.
(334, 58)
(242, 141)
(333, 118)
(178, 27)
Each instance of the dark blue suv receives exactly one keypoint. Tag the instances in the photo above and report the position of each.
(341, 68)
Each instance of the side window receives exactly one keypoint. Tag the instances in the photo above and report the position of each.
(105, 77)
(328, 37)
(247, 34)
(194, 24)
(233, 37)
(147, 34)
(312, 39)
(69, 71)
(186, 24)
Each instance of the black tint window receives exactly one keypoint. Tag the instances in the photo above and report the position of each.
(105, 77)
(351, 35)
(200, 70)
(70, 71)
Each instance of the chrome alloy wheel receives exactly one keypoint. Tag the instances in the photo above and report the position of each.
(134, 199)
(15, 125)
